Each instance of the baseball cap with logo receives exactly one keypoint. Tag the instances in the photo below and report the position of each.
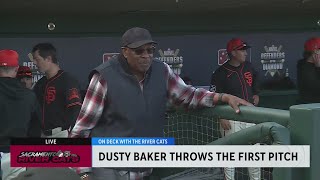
(312, 44)
(9, 58)
(24, 71)
(136, 37)
(236, 44)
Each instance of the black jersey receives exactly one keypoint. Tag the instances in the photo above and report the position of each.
(308, 78)
(60, 100)
(239, 81)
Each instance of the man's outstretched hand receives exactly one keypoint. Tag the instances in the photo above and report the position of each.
(234, 102)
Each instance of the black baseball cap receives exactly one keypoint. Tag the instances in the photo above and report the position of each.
(136, 37)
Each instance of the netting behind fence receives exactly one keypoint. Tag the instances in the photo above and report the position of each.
(188, 129)
(191, 130)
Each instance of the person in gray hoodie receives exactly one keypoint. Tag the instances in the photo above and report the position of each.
(19, 110)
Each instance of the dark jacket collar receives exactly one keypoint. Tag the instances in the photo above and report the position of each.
(124, 64)
(55, 76)
(227, 65)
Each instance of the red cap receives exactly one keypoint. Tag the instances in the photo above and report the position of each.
(9, 58)
(236, 44)
(24, 71)
(312, 44)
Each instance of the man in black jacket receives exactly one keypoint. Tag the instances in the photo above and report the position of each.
(19, 110)
(308, 72)
(238, 78)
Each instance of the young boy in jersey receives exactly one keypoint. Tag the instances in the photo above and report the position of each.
(25, 76)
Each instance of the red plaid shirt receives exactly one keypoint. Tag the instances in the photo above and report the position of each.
(178, 93)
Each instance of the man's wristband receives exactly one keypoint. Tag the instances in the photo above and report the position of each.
(220, 97)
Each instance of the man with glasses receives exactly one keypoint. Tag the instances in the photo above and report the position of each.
(308, 72)
(127, 97)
